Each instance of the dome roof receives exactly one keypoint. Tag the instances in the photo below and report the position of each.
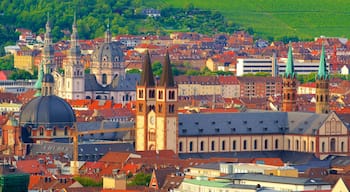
(108, 52)
(48, 111)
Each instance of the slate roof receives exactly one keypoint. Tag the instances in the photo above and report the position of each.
(249, 122)
(275, 179)
(127, 83)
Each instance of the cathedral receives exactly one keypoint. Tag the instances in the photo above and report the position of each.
(107, 79)
(243, 134)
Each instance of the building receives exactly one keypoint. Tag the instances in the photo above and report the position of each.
(156, 110)
(16, 86)
(198, 85)
(263, 87)
(107, 80)
(289, 85)
(25, 60)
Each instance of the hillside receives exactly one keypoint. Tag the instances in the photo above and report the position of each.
(278, 18)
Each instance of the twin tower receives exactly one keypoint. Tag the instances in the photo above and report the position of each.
(290, 86)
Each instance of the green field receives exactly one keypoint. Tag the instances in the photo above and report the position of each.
(277, 18)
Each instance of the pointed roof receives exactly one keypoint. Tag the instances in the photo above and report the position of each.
(38, 83)
(167, 78)
(147, 78)
(322, 69)
(290, 64)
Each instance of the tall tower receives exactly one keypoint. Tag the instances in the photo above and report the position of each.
(145, 106)
(74, 69)
(166, 110)
(322, 84)
(289, 85)
(48, 50)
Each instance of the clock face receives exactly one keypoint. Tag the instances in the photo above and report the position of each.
(151, 119)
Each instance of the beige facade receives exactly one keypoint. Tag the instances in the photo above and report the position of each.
(199, 89)
(24, 60)
(340, 186)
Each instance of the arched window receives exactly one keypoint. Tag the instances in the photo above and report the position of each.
(65, 131)
(245, 144)
(223, 145)
(255, 144)
(342, 146)
(323, 146)
(276, 144)
(332, 145)
(297, 145)
(304, 145)
(191, 146)
(266, 144)
(41, 131)
(234, 145)
(312, 145)
(288, 144)
(180, 146)
(202, 146)
(54, 131)
(212, 145)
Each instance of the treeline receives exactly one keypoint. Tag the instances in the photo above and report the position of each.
(93, 16)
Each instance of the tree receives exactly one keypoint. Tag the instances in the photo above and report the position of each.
(141, 179)
(20, 74)
(133, 71)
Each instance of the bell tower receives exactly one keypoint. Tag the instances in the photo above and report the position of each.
(289, 85)
(322, 86)
(145, 106)
(166, 110)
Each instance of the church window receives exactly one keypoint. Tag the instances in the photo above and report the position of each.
(160, 94)
(245, 144)
(304, 145)
(323, 146)
(171, 108)
(171, 95)
(141, 94)
(41, 131)
(140, 107)
(191, 146)
(288, 96)
(151, 94)
(54, 131)
(255, 144)
(212, 145)
(234, 145)
(266, 144)
(223, 145)
(65, 131)
(160, 108)
(288, 144)
(180, 146)
(321, 98)
(202, 146)
(312, 146)
(276, 144)
(117, 58)
(342, 146)
(104, 79)
(297, 145)
(332, 145)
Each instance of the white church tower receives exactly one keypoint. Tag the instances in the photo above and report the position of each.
(74, 85)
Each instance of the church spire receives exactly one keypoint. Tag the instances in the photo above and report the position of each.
(48, 38)
(147, 78)
(75, 48)
(48, 50)
(322, 69)
(289, 73)
(167, 78)
(38, 83)
(108, 35)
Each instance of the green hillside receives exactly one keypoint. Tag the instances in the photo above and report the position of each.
(277, 18)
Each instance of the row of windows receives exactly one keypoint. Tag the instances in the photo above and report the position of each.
(54, 132)
(151, 94)
(265, 144)
(171, 108)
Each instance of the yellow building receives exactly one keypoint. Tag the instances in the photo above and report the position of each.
(24, 59)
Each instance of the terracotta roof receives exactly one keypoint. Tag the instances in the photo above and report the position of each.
(115, 157)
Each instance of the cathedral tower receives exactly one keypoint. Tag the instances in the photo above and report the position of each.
(322, 86)
(145, 105)
(48, 50)
(74, 69)
(166, 110)
(289, 85)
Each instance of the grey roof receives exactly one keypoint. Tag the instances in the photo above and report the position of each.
(47, 111)
(111, 51)
(87, 151)
(119, 83)
(275, 179)
(211, 166)
(249, 122)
